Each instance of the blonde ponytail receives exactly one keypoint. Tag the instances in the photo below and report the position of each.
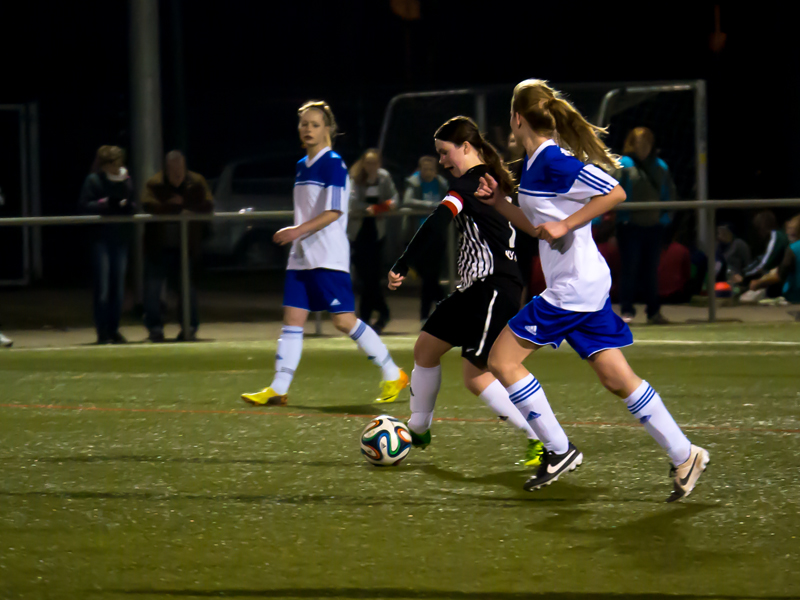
(550, 115)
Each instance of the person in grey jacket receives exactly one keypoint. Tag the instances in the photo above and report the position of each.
(425, 189)
(373, 191)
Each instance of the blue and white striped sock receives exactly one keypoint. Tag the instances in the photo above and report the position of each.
(287, 357)
(369, 342)
(528, 396)
(646, 405)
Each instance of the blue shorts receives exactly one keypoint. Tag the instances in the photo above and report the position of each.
(587, 332)
(319, 289)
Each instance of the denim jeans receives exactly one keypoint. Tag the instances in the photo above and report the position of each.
(165, 269)
(109, 261)
(640, 253)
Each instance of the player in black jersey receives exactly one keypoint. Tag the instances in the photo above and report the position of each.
(488, 293)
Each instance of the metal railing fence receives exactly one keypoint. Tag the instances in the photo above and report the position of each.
(709, 208)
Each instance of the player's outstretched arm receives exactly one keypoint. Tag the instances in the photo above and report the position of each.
(434, 227)
(289, 234)
(490, 193)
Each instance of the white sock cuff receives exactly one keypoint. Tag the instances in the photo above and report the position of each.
(292, 331)
(640, 398)
(358, 330)
(427, 369)
(523, 389)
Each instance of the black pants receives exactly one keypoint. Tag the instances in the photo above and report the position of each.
(640, 252)
(368, 261)
(158, 271)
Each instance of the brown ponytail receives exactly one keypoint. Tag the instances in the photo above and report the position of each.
(550, 115)
(463, 129)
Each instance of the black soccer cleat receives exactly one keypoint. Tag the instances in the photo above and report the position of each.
(553, 465)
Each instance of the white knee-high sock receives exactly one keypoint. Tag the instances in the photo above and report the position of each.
(496, 397)
(369, 342)
(646, 405)
(287, 357)
(425, 384)
(527, 395)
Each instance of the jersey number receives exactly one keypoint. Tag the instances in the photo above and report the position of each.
(510, 254)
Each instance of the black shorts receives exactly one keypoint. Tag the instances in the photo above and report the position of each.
(474, 318)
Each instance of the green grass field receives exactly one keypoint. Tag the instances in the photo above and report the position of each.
(136, 472)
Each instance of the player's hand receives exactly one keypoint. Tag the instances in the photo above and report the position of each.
(552, 231)
(286, 236)
(488, 191)
(395, 280)
(370, 209)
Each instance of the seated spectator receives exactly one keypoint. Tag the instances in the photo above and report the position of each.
(733, 256)
(787, 273)
(172, 191)
(645, 178)
(425, 189)
(107, 191)
(373, 190)
(776, 243)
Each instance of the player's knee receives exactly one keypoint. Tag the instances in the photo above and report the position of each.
(499, 368)
(612, 382)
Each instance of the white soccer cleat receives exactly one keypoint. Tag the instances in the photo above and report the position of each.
(687, 474)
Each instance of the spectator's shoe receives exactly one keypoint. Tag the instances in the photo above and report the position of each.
(391, 389)
(627, 317)
(156, 336)
(534, 454)
(182, 337)
(752, 296)
(553, 466)
(103, 341)
(658, 319)
(779, 301)
(118, 338)
(5, 342)
(420, 440)
(266, 397)
(687, 474)
(380, 325)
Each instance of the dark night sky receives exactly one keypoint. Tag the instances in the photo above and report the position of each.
(247, 65)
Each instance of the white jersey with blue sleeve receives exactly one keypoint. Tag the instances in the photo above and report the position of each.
(554, 185)
(321, 184)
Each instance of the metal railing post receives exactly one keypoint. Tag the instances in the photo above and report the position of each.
(711, 278)
(318, 323)
(185, 280)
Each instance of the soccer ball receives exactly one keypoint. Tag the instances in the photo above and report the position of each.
(385, 441)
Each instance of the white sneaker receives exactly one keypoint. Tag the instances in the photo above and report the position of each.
(752, 296)
(687, 474)
(5, 342)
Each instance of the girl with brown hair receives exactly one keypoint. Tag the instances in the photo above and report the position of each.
(561, 190)
(489, 290)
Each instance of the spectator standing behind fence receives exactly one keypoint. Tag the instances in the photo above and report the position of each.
(775, 241)
(787, 273)
(108, 191)
(172, 191)
(425, 189)
(645, 178)
(373, 190)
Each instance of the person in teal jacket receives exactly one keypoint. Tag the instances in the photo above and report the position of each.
(645, 178)
(787, 272)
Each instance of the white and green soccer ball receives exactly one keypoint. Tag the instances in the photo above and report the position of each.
(385, 441)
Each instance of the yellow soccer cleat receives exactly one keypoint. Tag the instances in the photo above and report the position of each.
(391, 389)
(266, 397)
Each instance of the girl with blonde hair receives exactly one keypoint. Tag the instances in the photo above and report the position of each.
(561, 190)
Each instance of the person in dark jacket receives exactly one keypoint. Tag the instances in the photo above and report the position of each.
(172, 191)
(108, 192)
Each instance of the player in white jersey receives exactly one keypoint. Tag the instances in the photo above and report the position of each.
(559, 194)
(318, 273)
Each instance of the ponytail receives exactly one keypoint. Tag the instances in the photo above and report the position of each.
(463, 129)
(550, 115)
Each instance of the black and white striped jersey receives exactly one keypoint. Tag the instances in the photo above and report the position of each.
(487, 240)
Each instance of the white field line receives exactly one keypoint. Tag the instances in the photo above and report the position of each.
(393, 342)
